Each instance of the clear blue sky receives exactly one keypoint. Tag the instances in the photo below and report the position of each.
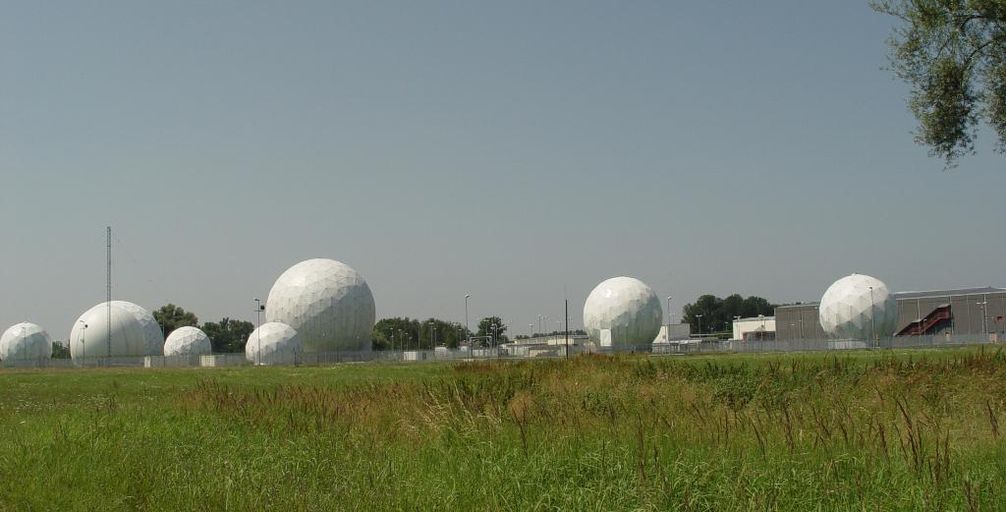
(512, 151)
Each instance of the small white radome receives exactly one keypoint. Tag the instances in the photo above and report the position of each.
(273, 343)
(187, 341)
(25, 341)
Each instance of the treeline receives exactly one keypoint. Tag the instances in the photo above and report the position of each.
(709, 313)
(229, 335)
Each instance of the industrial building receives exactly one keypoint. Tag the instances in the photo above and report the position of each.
(966, 311)
(754, 328)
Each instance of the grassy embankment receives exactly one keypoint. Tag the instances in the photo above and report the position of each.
(855, 431)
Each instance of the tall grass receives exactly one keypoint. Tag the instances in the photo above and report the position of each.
(861, 431)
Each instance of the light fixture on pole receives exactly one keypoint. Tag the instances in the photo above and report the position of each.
(468, 334)
(83, 349)
(259, 308)
(667, 334)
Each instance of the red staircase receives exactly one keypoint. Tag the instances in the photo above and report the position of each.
(935, 319)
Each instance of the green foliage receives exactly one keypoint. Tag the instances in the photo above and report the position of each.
(228, 335)
(953, 54)
(60, 351)
(414, 334)
(494, 328)
(171, 317)
(717, 314)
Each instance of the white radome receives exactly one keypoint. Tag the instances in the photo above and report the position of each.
(132, 334)
(858, 307)
(622, 312)
(187, 341)
(25, 341)
(151, 329)
(327, 302)
(273, 343)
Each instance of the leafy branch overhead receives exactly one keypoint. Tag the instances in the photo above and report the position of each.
(953, 54)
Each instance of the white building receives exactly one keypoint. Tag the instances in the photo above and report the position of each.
(754, 328)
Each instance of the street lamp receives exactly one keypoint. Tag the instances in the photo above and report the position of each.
(984, 304)
(873, 319)
(700, 323)
(667, 334)
(468, 335)
(83, 349)
(258, 332)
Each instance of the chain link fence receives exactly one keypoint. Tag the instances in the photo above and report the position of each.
(515, 352)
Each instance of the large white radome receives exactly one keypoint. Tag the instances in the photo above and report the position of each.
(187, 341)
(622, 311)
(273, 343)
(327, 302)
(134, 332)
(151, 329)
(858, 307)
(25, 341)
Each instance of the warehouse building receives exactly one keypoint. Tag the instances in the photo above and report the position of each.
(967, 311)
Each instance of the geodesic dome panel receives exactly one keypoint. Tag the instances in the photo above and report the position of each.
(273, 343)
(25, 341)
(622, 311)
(187, 341)
(151, 329)
(858, 307)
(327, 302)
(128, 335)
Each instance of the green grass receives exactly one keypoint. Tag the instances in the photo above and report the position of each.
(907, 430)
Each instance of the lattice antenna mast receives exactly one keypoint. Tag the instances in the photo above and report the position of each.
(108, 287)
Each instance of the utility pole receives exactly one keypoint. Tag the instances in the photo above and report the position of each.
(567, 328)
(108, 288)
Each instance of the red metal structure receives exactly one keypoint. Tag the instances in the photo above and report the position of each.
(934, 321)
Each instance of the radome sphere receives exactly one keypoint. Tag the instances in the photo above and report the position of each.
(858, 307)
(273, 343)
(622, 312)
(327, 302)
(151, 329)
(129, 336)
(25, 341)
(187, 341)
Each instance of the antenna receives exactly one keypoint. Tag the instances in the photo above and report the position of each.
(108, 288)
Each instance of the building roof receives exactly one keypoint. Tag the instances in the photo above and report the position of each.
(954, 292)
(947, 293)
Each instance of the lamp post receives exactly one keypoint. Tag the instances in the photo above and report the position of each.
(433, 334)
(667, 334)
(83, 346)
(984, 304)
(699, 316)
(468, 335)
(258, 332)
(873, 319)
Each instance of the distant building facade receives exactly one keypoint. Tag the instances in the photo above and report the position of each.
(965, 311)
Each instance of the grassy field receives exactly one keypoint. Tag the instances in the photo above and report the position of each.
(913, 430)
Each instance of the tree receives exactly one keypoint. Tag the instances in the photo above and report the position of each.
(60, 351)
(492, 327)
(953, 54)
(171, 317)
(228, 335)
(717, 314)
(414, 334)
